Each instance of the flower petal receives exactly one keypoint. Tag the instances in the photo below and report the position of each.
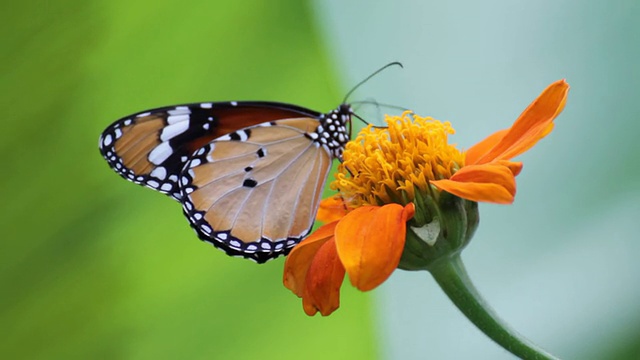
(300, 258)
(532, 125)
(331, 209)
(370, 241)
(494, 183)
(514, 166)
(483, 147)
(323, 282)
(532, 137)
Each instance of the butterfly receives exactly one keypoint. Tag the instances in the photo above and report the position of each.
(249, 175)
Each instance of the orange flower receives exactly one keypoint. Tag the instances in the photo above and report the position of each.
(315, 268)
(488, 175)
(385, 177)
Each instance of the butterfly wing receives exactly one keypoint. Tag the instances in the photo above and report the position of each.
(255, 192)
(151, 148)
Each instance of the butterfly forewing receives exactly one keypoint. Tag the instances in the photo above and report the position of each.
(255, 191)
(150, 148)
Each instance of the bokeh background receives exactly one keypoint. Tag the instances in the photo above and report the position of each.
(94, 267)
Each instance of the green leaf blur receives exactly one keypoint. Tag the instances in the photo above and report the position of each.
(92, 266)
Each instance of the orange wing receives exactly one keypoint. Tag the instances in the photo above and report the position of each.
(151, 147)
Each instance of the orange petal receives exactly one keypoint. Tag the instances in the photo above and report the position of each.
(370, 241)
(331, 209)
(299, 260)
(533, 136)
(514, 166)
(494, 183)
(323, 282)
(532, 125)
(483, 147)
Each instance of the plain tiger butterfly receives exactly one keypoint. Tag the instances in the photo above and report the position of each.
(249, 175)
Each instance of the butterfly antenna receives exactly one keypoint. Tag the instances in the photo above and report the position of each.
(377, 104)
(361, 119)
(369, 77)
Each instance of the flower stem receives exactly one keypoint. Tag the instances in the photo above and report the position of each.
(454, 280)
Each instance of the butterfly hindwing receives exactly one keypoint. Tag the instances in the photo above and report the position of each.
(150, 148)
(254, 192)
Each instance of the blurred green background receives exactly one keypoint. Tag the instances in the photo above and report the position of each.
(92, 266)
(95, 267)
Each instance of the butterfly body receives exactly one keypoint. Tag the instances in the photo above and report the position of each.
(249, 175)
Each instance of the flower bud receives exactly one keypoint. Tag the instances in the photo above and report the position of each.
(442, 226)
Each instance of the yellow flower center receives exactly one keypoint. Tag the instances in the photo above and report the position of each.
(385, 165)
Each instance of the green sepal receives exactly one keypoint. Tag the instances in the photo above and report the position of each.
(441, 227)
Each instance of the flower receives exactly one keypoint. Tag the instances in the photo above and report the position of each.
(315, 268)
(406, 198)
(484, 176)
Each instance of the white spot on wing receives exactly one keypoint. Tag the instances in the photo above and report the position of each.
(159, 172)
(206, 228)
(194, 163)
(179, 110)
(173, 119)
(173, 130)
(244, 135)
(160, 153)
(107, 140)
(206, 105)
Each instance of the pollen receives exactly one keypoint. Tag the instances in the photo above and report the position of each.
(387, 165)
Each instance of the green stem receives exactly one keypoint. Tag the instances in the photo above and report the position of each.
(454, 280)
